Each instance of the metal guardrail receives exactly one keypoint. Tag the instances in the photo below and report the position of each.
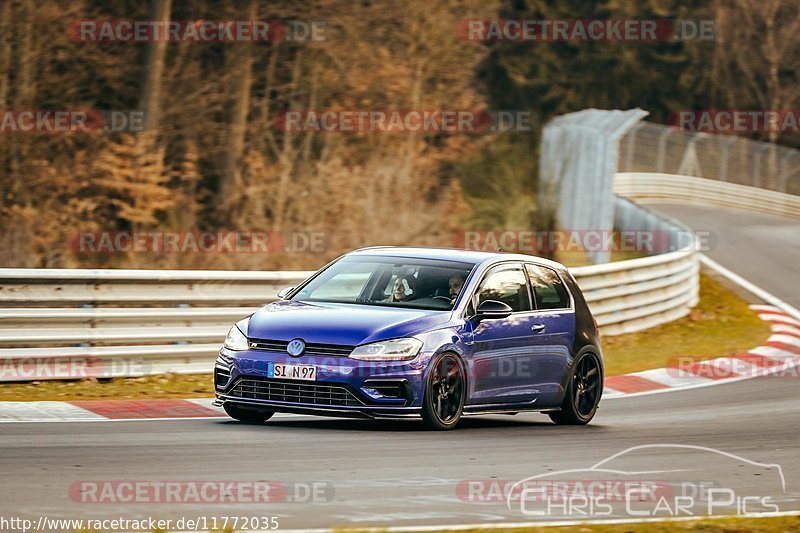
(145, 333)
(644, 187)
(637, 294)
(111, 323)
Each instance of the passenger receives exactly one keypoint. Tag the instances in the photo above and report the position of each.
(404, 289)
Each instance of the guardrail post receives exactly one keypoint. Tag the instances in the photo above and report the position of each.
(756, 174)
(631, 145)
(662, 149)
(690, 165)
(724, 157)
(783, 177)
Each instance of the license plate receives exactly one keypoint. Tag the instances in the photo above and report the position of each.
(291, 371)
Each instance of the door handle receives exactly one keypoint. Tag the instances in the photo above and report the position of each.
(537, 328)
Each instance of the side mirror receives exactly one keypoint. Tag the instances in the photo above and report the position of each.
(492, 309)
(285, 292)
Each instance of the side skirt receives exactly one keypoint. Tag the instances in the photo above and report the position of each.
(505, 409)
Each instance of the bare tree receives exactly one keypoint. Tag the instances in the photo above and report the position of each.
(150, 101)
(241, 85)
(758, 53)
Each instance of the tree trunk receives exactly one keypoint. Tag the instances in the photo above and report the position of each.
(6, 40)
(150, 101)
(242, 68)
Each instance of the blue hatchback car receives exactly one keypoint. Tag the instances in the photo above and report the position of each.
(418, 332)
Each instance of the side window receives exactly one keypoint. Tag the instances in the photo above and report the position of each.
(507, 285)
(548, 291)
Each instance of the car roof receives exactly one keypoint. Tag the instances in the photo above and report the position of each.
(453, 254)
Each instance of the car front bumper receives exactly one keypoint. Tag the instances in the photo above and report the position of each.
(343, 386)
(319, 410)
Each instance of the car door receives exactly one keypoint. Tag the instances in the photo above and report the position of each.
(553, 327)
(502, 348)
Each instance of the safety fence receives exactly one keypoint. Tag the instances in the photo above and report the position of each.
(655, 148)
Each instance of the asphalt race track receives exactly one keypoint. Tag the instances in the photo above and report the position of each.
(763, 249)
(395, 473)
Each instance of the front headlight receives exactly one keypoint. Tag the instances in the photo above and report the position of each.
(235, 339)
(391, 350)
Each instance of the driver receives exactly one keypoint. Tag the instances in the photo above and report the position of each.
(454, 285)
(404, 289)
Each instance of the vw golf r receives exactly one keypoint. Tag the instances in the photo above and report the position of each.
(418, 333)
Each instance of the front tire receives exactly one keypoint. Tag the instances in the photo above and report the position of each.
(583, 392)
(248, 416)
(445, 393)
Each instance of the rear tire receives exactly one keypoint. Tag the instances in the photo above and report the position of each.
(445, 393)
(248, 416)
(584, 389)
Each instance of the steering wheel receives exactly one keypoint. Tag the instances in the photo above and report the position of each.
(442, 298)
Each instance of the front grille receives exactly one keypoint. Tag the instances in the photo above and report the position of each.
(312, 348)
(293, 392)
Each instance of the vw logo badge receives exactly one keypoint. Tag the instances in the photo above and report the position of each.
(296, 347)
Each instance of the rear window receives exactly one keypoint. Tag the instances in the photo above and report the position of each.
(548, 290)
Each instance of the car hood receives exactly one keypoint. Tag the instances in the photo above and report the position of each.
(331, 323)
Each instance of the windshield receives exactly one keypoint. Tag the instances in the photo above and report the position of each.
(389, 281)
